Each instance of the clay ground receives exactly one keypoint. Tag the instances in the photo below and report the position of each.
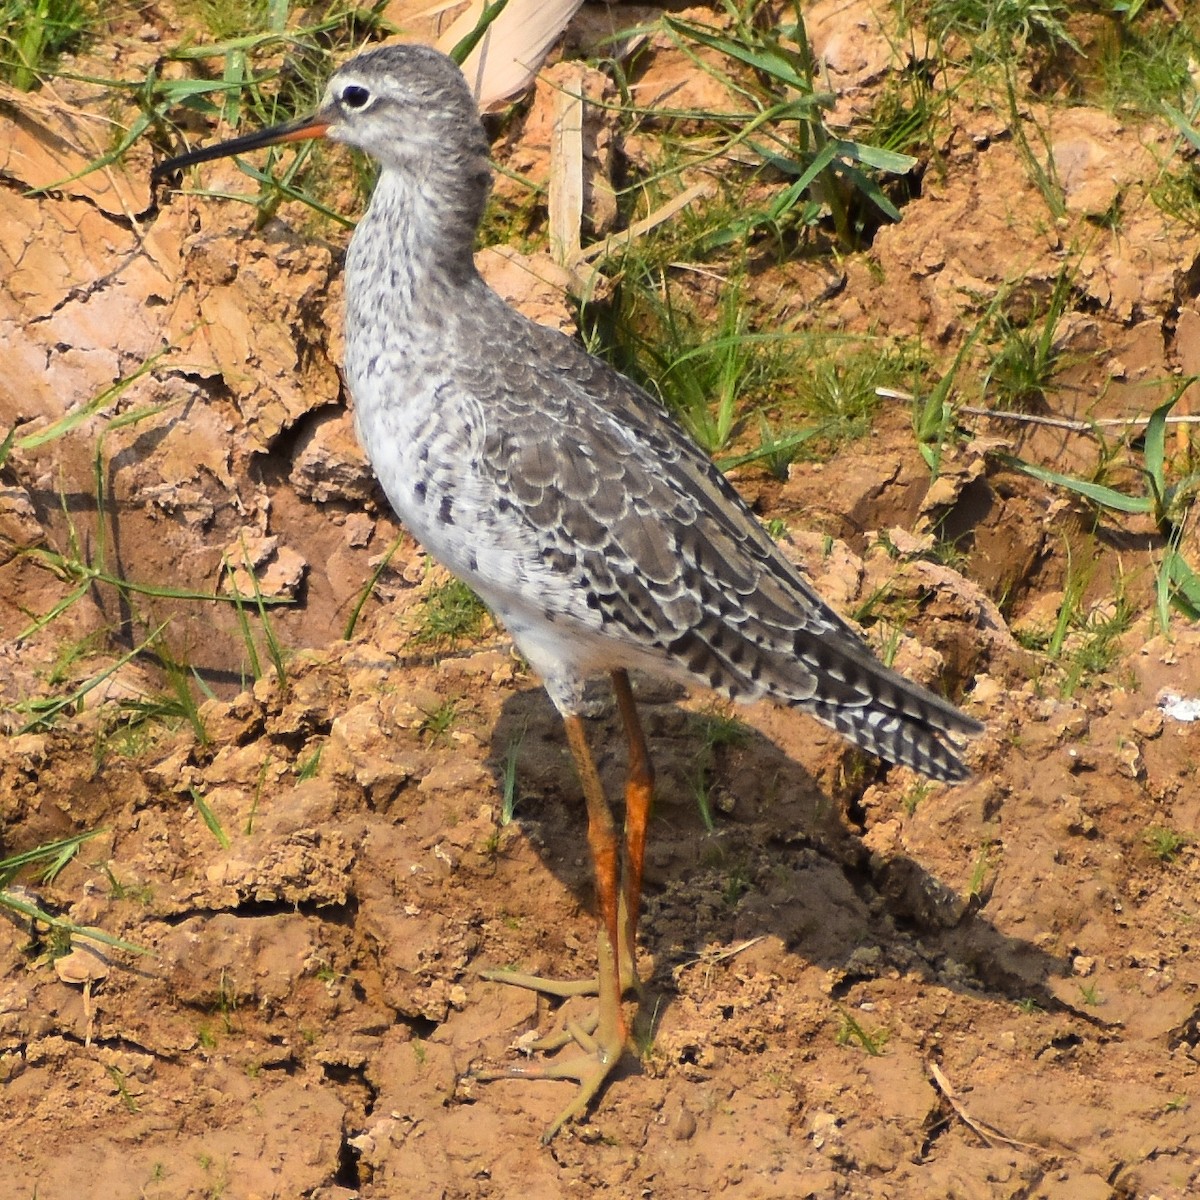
(855, 984)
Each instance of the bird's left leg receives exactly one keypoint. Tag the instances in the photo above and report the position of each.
(639, 793)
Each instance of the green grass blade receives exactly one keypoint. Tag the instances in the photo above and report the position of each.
(72, 420)
(61, 852)
(869, 188)
(70, 569)
(782, 446)
(365, 594)
(40, 623)
(289, 192)
(54, 707)
(1184, 584)
(1185, 127)
(210, 819)
(769, 62)
(509, 788)
(1155, 443)
(277, 15)
(6, 446)
(274, 649)
(135, 131)
(58, 853)
(205, 690)
(822, 159)
(891, 161)
(1106, 497)
(467, 44)
(179, 679)
(34, 913)
(1162, 593)
(244, 624)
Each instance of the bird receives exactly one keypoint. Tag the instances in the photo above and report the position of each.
(598, 533)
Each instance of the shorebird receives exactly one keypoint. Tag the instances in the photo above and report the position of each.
(575, 506)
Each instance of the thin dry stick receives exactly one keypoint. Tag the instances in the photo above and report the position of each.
(566, 172)
(710, 957)
(1068, 423)
(615, 241)
(989, 1133)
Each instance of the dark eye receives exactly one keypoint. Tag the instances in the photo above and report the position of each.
(355, 96)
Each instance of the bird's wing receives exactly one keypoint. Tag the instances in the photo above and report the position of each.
(662, 545)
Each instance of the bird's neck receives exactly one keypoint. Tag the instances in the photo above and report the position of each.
(419, 232)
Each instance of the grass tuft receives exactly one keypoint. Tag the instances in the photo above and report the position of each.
(1165, 844)
(34, 33)
(451, 614)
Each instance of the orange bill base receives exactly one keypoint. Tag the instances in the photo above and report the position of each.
(292, 131)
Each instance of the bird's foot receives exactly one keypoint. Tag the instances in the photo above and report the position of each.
(567, 989)
(599, 1055)
(562, 989)
(601, 1037)
(559, 989)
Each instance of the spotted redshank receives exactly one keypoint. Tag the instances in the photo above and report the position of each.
(580, 512)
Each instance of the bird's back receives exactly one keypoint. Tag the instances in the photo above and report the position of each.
(604, 537)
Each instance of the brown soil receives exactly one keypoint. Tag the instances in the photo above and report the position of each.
(1025, 967)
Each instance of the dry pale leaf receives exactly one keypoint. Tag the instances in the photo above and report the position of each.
(509, 54)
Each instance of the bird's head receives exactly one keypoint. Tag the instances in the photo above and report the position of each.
(408, 106)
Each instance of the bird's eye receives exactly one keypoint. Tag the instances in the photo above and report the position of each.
(355, 96)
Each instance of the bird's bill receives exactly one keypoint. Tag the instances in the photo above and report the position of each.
(300, 130)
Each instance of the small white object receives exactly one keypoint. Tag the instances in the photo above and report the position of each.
(1177, 707)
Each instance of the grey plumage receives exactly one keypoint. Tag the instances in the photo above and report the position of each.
(598, 533)
(563, 493)
(580, 511)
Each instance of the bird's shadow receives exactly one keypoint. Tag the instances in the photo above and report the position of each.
(784, 856)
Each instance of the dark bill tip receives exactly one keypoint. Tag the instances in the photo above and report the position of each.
(292, 131)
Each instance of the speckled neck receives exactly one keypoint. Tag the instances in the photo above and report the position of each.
(419, 231)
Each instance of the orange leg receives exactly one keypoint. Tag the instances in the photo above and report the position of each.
(602, 841)
(602, 1040)
(602, 1037)
(639, 792)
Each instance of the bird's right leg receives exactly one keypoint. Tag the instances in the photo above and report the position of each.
(639, 793)
(602, 1040)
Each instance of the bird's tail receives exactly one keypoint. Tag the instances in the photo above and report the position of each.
(851, 691)
(911, 739)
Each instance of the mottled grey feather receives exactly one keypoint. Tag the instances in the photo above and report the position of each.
(581, 512)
